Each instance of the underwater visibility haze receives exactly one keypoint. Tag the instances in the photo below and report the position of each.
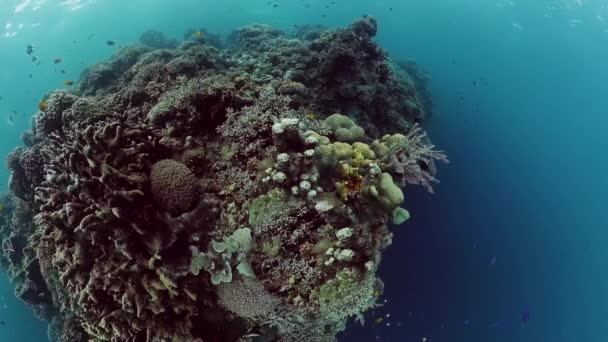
(304, 170)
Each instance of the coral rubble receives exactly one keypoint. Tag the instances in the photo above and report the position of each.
(210, 191)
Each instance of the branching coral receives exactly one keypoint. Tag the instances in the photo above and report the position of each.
(411, 158)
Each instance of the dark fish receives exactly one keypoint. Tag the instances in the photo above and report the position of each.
(474, 83)
(462, 97)
(525, 316)
(2, 322)
(29, 49)
(63, 71)
(110, 43)
(30, 75)
(58, 60)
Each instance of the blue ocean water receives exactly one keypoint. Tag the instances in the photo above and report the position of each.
(519, 87)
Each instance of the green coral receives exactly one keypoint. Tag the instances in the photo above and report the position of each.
(344, 129)
(349, 293)
(400, 215)
(266, 208)
(389, 143)
(331, 155)
(219, 259)
(385, 191)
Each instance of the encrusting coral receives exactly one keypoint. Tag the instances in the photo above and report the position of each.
(211, 191)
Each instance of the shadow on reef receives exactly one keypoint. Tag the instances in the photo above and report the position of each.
(210, 191)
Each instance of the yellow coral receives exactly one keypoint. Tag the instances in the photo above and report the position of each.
(331, 155)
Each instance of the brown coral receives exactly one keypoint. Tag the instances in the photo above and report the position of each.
(173, 186)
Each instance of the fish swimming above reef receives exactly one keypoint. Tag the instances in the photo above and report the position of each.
(110, 43)
(68, 82)
(43, 106)
(58, 60)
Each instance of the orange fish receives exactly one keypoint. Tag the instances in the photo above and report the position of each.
(68, 83)
(58, 60)
(43, 106)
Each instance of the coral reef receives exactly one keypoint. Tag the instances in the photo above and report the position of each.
(199, 191)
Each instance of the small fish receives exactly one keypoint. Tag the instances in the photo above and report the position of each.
(198, 34)
(525, 316)
(110, 43)
(310, 116)
(30, 75)
(462, 97)
(2, 322)
(475, 244)
(467, 322)
(474, 83)
(493, 261)
(58, 60)
(43, 106)
(63, 71)
(68, 82)
(34, 59)
(29, 49)
(494, 325)
(378, 320)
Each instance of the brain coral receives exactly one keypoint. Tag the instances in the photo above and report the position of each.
(173, 186)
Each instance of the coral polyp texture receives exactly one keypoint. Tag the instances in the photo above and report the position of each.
(217, 191)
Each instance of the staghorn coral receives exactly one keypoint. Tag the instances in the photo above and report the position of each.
(188, 193)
